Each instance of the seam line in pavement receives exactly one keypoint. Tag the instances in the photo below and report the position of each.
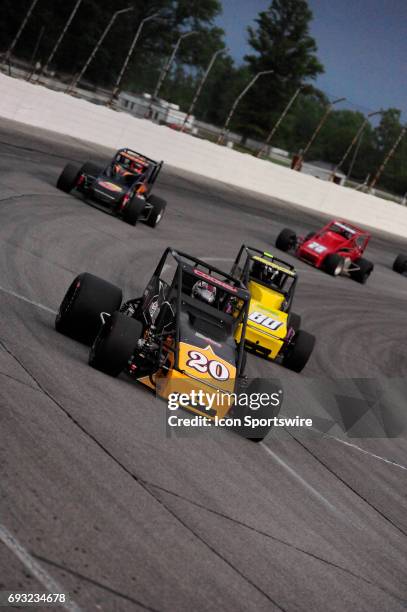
(97, 584)
(343, 481)
(35, 568)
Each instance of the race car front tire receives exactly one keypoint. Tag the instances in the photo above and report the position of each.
(286, 240)
(334, 264)
(115, 344)
(400, 264)
(297, 355)
(79, 313)
(256, 387)
(365, 269)
(294, 321)
(91, 169)
(157, 211)
(133, 210)
(68, 177)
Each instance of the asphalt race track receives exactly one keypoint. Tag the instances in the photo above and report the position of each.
(96, 499)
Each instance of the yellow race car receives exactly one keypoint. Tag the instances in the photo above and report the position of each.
(273, 330)
(177, 338)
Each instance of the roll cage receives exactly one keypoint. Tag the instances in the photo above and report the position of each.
(173, 295)
(152, 167)
(248, 258)
(351, 235)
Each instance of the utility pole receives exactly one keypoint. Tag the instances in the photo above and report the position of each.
(34, 53)
(60, 38)
(298, 163)
(354, 141)
(355, 154)
(199, 89)
(278, 123)
(167, 68)
(387, 159)
(225, 130)
(76, 79)
(10, 50)
(128, 56)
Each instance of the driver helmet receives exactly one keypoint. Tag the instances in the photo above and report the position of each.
(204, 291)
(270, 275)
(118, 170)
(136, 167)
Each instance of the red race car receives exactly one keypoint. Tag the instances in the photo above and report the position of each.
(337, 249)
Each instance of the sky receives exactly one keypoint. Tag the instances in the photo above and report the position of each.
(361, 43)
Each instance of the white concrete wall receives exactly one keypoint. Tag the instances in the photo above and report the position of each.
(41, 107)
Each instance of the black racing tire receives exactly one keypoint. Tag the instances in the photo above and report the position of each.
(297, 355)
(334, 264)
(256, 386)
(157, 211)
(79, 313)
(286, 240)
(91, 169)
(115, 344)
(294, 321)
(400, 264)
(68, 177)
(133, 210)
(365, 270)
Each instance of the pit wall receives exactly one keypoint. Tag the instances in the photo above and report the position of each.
(37, 106)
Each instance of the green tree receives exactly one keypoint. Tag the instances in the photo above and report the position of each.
(386, 133)
(93, 15)
(281, 42)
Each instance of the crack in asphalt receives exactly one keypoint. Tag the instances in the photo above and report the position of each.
(25, 384)
(274, 538)
(331, 471)
(100, 585)
(143, 485)
(147, 485)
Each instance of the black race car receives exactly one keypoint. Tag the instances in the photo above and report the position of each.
(123, 187)
(177, 337)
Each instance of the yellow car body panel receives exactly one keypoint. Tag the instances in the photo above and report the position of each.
(267, 324)
(200, 369)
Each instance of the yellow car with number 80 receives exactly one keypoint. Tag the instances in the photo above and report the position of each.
(273, 330)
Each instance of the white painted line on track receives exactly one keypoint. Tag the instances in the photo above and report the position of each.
(365, 452)
(35, 568)
(24, 299)
(299, 478)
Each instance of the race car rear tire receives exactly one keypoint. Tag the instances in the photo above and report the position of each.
(244, 362)
(294, 321)
(400, 264)
(79, 313)
(91, 169)
(365, 270)
(133, 210)
(157, 212)
(68, 177)
(286, 240)
(334, 264)
(299, 353)
(256, 387)
(115, 344)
